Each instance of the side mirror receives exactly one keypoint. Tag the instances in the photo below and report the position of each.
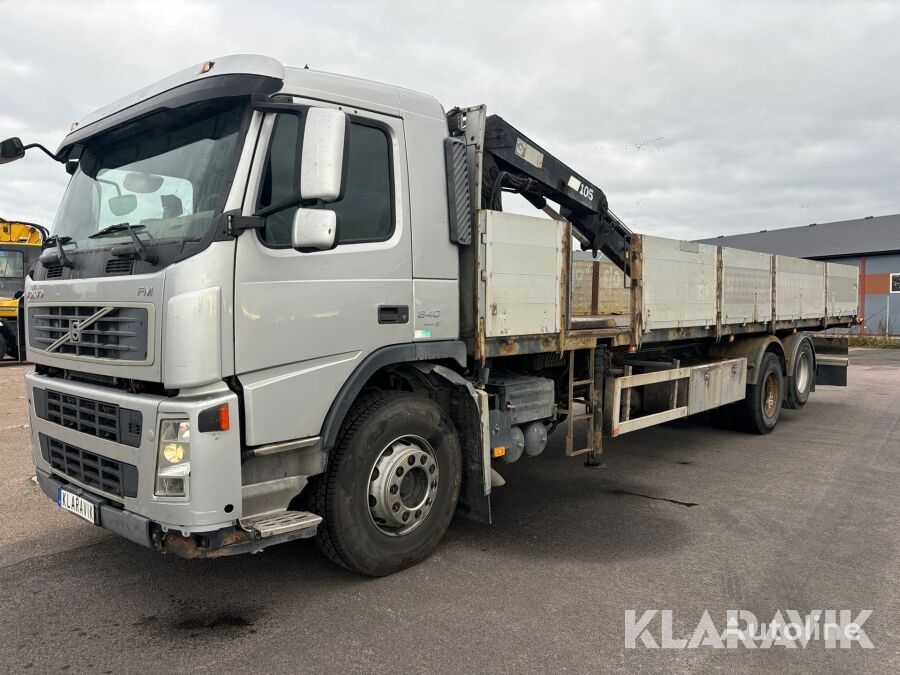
(323, 163)
(10, 150)
(314, 229)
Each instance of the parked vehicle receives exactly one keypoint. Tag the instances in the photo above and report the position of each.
(20, 246)
(281, 303)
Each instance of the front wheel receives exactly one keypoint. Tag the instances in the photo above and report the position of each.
(391, 486)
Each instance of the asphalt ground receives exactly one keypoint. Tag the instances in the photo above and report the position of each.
(685, 517)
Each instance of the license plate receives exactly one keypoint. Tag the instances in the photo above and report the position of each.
(78, 505)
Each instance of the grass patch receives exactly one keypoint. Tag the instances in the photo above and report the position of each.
(878, 341)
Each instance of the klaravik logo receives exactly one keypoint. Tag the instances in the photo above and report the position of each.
(741, 628)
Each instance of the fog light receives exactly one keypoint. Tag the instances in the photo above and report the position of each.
(173, 462)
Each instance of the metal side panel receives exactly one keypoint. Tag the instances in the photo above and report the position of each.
(290, 401)
(715, 384)
(524, 259)
(843, 289)
(679, 283)
(435, 314)
(746, 286)
(599, 288)
(799, 288)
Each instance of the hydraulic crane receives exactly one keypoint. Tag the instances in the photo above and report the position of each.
(515, 163)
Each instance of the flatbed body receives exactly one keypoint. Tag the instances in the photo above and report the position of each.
(678, 290)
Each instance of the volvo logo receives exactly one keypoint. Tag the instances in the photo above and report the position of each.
(74, 331)
(76, 326)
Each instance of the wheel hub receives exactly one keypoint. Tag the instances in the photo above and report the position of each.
(403, 485)
(803, 370)
(770, 401)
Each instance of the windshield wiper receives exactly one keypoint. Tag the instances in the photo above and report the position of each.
(112, 229)
(61, 256)
(139, 246)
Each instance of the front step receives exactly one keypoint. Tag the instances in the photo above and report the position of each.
(282, 523)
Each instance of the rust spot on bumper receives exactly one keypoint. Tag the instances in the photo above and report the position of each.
(199, 546)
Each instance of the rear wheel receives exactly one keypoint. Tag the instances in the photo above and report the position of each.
(391, 486)
(760, 409)
(799, 385)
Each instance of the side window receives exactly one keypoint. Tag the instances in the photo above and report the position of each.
(365, 214)
(280, 179)
(366, 211)
(11, 265)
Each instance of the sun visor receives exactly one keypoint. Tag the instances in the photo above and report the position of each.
(236, 75)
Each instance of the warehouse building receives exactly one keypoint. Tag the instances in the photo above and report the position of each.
(872, 244)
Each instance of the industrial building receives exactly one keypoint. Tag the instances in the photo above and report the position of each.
(871, 243)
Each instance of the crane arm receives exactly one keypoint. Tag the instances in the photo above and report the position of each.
(513, 162)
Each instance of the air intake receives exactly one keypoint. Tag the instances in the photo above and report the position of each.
(118, 266)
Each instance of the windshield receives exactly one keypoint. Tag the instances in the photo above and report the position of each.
(11, 265)
(166, 174)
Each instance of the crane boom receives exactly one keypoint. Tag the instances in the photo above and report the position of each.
(513, 162)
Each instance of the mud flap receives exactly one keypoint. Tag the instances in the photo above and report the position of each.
(469, 413)
(832, 360)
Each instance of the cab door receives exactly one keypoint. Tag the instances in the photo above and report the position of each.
(305, 320)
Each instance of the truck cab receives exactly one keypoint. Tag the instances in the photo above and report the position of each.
(159, 334)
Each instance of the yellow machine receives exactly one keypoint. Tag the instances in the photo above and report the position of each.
(20, 246)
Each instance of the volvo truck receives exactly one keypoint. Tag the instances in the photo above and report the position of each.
(279, 303)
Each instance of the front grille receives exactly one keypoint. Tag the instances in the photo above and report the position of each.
(90, 469)
(103, 420)
(118, 333)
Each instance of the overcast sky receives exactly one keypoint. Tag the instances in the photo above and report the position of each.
(696, 119)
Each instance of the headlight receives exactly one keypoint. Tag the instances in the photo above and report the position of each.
(173, 460)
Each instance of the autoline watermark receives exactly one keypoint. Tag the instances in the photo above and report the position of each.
(740, 629)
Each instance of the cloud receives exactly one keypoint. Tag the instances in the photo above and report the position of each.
(696, 119)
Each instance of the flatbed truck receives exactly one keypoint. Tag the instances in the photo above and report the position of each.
(279, 303)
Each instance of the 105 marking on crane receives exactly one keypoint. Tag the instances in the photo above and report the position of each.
(582, 189)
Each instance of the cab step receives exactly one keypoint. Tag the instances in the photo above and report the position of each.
(286, 522)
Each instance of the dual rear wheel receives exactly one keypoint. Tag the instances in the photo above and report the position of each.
(761, 407)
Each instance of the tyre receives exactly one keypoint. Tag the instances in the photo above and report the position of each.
(3, 346)
(762, 405)
(799, 384)
(391, 486)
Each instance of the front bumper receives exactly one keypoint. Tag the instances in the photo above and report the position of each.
(232, 540)
(129, 525)
(213, 500)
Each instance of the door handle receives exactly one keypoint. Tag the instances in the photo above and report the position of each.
(393, 314)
